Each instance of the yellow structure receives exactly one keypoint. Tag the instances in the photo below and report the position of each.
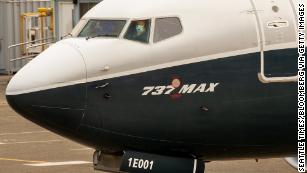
(35, 29)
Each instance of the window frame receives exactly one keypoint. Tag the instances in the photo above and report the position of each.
(78, 27)
(165, 17)
(127, 24)
(87, 20)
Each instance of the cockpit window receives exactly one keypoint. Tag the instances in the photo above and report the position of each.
(102, 28)
(139, 30)
(166, 28)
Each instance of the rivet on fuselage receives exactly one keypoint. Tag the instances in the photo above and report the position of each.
(107, 96)
(204, 108)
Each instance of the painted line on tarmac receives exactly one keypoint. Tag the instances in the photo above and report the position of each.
(29, 142)
(21, 160)
(12, 116)
(23, 133)
(81, 149)
(3, 103)
(45, 164)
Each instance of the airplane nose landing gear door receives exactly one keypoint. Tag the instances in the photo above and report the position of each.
(276, 23)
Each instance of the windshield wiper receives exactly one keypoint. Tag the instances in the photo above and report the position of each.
(66, 36)
(101, 35)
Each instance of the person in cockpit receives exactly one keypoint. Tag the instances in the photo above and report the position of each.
(139, 31)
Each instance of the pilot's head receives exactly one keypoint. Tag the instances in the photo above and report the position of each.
(140, 27)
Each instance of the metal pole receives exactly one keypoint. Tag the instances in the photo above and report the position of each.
(8, 61)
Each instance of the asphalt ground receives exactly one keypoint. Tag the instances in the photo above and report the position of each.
(28, 148)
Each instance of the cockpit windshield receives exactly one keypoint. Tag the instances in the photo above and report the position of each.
(102, 28)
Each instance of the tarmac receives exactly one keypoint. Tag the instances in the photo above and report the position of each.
(28, 148)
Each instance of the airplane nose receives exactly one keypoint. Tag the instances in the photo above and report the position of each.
(50, 90)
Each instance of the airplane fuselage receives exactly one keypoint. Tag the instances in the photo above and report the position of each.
(225, 87)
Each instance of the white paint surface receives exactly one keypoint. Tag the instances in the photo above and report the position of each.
(58, 64)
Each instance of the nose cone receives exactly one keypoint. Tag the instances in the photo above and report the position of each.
(50, 90)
